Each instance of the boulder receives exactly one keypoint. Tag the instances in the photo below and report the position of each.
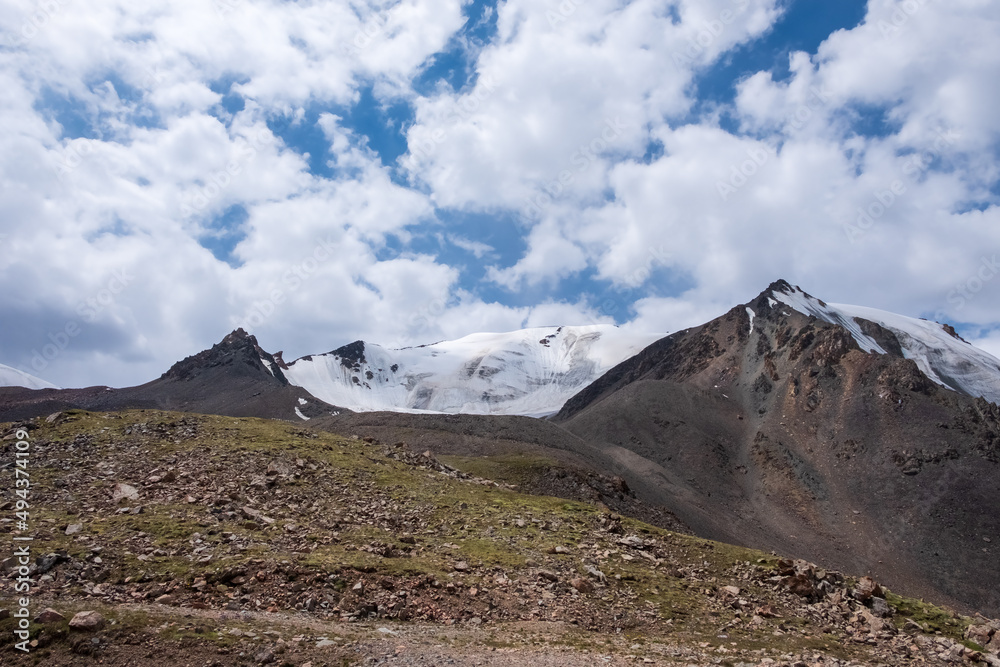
(867, 588)
(87, 621)
(633, 542)
(880, 607)
(981, 634)
(279, 467)
(801, 584)
(48, 561)
(124, 492)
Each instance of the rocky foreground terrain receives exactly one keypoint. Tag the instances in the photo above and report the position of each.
(173, 539)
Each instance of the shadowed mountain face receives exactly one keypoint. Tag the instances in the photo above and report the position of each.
(234, 378)
(771, 427)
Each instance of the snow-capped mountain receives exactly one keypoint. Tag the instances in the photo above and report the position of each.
(527, 372)
(844, 434)
(11, 377)
(939, 353)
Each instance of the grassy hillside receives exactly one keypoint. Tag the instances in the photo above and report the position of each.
(198, 536)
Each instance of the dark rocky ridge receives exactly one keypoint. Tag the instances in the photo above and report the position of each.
(239, 350)
(228, 379)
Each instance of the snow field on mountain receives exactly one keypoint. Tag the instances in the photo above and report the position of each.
(528, 372)
(948, 361)
(11, 377)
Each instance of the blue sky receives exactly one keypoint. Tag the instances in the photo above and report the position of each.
(412, 170)
(380, 125)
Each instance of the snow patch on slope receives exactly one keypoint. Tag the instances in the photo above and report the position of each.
(11, 377)
(945, 359)
(528, 372)
(808, 305)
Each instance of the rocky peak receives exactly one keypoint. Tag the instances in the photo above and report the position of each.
(780, 285)
(238, 351)
(238, 337)
(351, 355)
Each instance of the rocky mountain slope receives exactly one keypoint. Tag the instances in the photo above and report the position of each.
(940, 354)
(527, 372)
(183, 539)
(235, 377)
(774, 427)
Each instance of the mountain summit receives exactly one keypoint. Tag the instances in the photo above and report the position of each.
(939, 352)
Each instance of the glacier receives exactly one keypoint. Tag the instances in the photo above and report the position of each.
(530, 372)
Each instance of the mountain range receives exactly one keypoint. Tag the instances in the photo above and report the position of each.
(856, 438)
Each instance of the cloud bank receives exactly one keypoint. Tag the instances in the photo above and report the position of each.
(415, 170)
